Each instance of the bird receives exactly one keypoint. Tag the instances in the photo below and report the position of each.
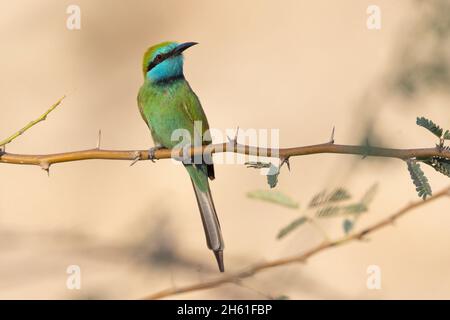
(167, 103)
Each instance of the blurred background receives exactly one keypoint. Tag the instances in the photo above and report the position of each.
(298, 66)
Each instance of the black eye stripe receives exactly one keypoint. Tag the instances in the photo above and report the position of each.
(151, 66)
(158, 59)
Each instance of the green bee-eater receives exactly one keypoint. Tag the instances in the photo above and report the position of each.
(167, 103)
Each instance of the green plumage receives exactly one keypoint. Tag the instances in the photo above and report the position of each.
(171, 106)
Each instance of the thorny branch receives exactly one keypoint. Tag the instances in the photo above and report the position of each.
(283, 153)
(45, 161)
(301, 258)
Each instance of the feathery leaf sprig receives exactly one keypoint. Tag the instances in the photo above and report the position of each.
(419, 179)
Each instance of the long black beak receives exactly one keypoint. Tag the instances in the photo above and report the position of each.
(181, 47)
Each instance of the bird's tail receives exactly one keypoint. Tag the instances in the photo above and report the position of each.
(211, 223)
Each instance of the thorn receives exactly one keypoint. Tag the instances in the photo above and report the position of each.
(366, 149)
(332, 136)
(234, 140)
(136, 159)
(46, 167)
(99, 139)
(285, 160)
(237, 133)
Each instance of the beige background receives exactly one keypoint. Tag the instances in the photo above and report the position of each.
(297, 66)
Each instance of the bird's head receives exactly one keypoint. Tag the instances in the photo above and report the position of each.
(164, 61)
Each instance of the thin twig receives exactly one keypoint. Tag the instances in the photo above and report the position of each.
(250, 271)
(31, 124)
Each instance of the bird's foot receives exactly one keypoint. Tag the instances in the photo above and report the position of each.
(152, 151)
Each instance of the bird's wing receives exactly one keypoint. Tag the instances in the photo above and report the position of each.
(193, 110)
(141, 101)
(141, 106)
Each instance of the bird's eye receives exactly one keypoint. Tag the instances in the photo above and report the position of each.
(158, 58)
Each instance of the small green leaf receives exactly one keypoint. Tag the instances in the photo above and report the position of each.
(430, 125)
(329, 211)
(273, 197)
(292, 226)
(317, 199)
(446, 135)
(355, 208)
(338, 195)
(369, 195)
(347, 225)
(333, 211)
(322, 198)
(272, 176)
(419, 179)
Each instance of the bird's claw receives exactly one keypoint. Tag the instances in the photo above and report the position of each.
(152, 152)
